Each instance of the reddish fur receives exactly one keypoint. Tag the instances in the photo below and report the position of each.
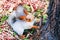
(28, 20)
(22, 37)
(25, 11)
(35, 27)
(22, 17)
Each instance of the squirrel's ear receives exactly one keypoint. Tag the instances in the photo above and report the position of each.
(25, 11)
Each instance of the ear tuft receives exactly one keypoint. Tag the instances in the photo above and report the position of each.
(25, 11)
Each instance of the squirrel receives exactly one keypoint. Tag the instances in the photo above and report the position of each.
(20, 20)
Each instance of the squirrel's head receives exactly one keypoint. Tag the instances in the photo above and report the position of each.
(24, 14)
(27, 17)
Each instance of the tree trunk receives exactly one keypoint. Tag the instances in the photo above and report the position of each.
(51, 31)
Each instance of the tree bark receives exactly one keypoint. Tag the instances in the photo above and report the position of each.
(51, 31)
